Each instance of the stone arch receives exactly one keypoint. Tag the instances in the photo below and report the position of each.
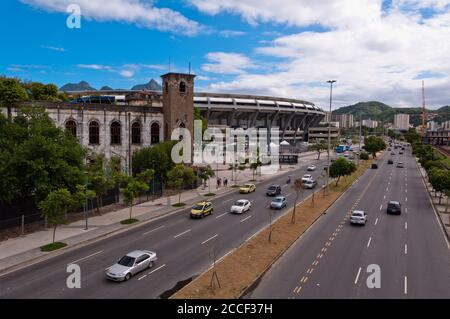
(116, 132)
(155, 132)
(71, 125)
(94, 132)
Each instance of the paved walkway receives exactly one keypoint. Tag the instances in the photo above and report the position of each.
(21, 249)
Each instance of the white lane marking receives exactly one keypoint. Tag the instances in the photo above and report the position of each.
(243, 220)
(156, 269)
(228, 200)
(406, 190)
(406, 285)
(357, 276)
(180, 234)
(150, 231)
(142, 277)
(221, 215)
(387, 189)
(376, 221)
(91, 255)
(406, 199)
(384, 197)
(381, 206)
(368, 243)
(223, 256)
(211, 238)
(288, 194)
(406, 209)
(406, 249)
(406, 225)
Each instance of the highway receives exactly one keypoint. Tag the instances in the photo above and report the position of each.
(331, 259)
(184, 247)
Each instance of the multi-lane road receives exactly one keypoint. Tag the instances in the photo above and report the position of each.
(184, 247)
(334, 259)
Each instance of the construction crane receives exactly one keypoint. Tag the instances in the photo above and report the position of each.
(423, 128)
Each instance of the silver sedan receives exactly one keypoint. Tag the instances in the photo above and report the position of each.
(131, 264)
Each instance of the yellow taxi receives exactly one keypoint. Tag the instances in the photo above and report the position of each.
(247, 188)
(201, 209)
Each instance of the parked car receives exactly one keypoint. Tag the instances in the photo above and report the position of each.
(311, 168)
(247, 188)
(400, 152)
(131, 264)
(358, 217)
(310, 184)
(273, 190)
(392, 153)
(374, 165)
(400, 164)
(278, 202)
(201, 209)
(306, 178)
(394, 207)
(240, 206)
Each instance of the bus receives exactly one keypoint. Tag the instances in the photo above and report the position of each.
(341, 148)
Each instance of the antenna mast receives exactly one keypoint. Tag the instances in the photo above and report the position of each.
(424, 111)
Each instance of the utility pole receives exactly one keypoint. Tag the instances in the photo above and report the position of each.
(359, 139)
(424, 112)
(329, 131)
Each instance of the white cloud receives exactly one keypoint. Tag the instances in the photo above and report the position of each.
(127, 73)
(378, 59)
(227, 63)
(232, 33)
(53, 48)
(139, 12)
(94, 66)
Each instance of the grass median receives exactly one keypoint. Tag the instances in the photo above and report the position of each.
(256, 255)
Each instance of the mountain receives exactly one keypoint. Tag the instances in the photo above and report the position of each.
(106, 88)
(150, 86)
(374, 110)
(384, 113)
(81, 86)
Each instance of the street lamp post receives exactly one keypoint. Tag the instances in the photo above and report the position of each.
(329, 132)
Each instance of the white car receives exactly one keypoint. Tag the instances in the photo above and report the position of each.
(241, 206)
(306, 178)
(311, 168)
(358, 217)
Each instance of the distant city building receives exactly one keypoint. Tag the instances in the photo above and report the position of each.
(345, 120)
(327, 117)
(432, 126)
(335, 124)
(370, 123)
(446, 125)
(401, 121)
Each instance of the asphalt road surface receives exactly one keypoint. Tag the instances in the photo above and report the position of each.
(184, 248)
(331, 259)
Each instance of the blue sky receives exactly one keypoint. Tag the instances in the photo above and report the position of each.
(284, 48)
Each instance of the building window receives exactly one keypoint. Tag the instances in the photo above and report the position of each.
(94, 133)
(182, 87)
(167, 87)
(136, 133)
(71, 126)
(115, 133)
(154, 133)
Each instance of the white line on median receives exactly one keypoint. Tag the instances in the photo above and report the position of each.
(406, 249)
(357, 276)
(368, 243)
(228, 200)
(180, 234)
(210, 239)
(406, 285)
(381, 206)
(243, 220)
(78, 260)
(376, 221)
(150, 231)
(221, 215)
(406, 225)
(162, 266)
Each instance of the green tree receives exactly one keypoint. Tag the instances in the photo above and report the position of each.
(178, 176)
(36, 157)
(319, 148)
(100, 183)
(373, 144)
(440, 180)
(341, 167)
(198, 116)
(206, 173)
(11, 93)
(364, 156)
(42, 92)
(132, 190)
(160, 154)
(55, 207)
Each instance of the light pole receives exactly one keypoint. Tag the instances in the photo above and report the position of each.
(359, 139)
(329, 132)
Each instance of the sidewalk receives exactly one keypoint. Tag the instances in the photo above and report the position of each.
(440, 208)
(26, 248)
